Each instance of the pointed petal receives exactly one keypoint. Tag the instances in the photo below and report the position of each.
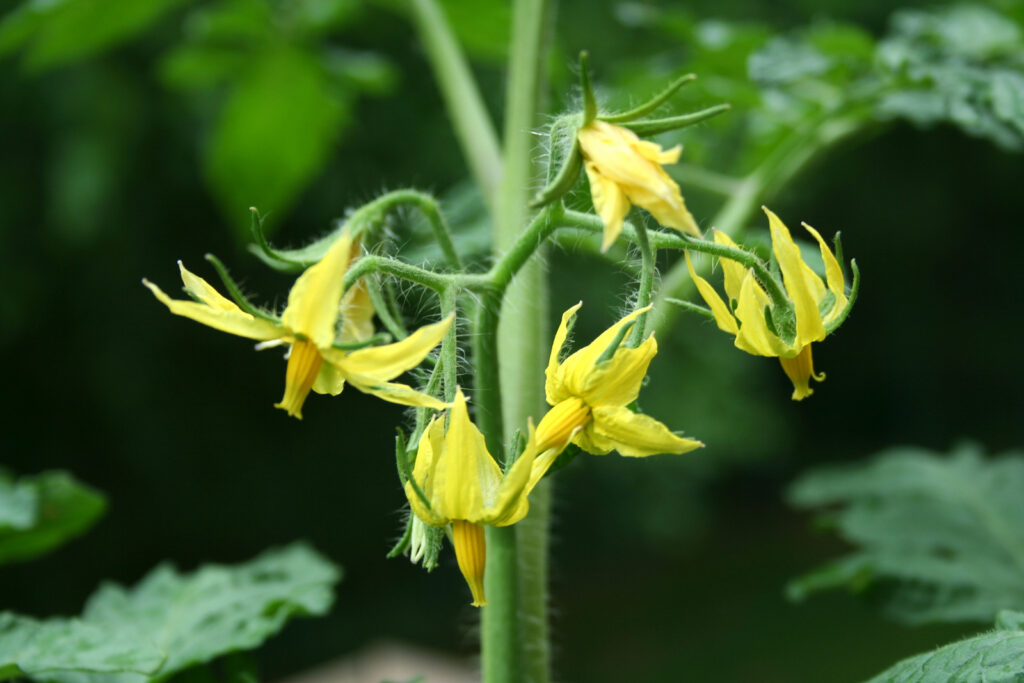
(637, 435)
(553, 389)
(610, 203)
(393, 392)
(719, 308)
(330, 380)
(470, 476)
(424, 472)
(733, 271)
(833, 275)
(662, 198)
(357, 313)
(390, 360)
(574, 371)
(754, 336)
(653, 152)
(802, 284)
(618, 382)
(204, 291)
(512, 503)
(312, 309)
(230, 321)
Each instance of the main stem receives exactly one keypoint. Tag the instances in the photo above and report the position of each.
(514, 626)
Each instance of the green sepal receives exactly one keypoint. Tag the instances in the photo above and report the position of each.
(567, 176)
(235, 292)
(587, 89)
(289, 260)
(610, 350)
(655, 126)
(404, 542)
(651, 104)
(405, 467)
(563, 459)
(379, 338)
(517, 444)
(691, 307)
(435, 536)
(852, 297)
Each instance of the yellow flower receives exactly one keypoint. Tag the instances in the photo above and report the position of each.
(624, 170)
(589, 393)
(310, 325)
(462, 485)
(818, 309)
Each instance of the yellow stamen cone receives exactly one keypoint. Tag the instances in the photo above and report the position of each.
(471, 553)
(303, 365)
(561, 422)
(800, 370)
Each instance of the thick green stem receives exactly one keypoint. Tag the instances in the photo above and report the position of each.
(519, 613)
(462, 98)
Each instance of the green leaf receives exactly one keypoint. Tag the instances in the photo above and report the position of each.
(994, 657)
(39, 513)
(274, 134)
(61, 31)
(961, 65)
(940, 538)
(181, 620)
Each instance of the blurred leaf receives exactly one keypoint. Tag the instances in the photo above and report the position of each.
(274, 134)
(943, 536)
(963, 65)
(39, 513)
(55, 32)
(39, 648)
(198, 67)
(994, 657)
(181, 620)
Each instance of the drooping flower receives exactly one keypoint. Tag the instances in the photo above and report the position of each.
(625, 170)
(590, 392)
(459, 483)
(309, 324)
(818, 308)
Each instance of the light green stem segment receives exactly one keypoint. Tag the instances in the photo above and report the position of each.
(462, 98)
(520, 611)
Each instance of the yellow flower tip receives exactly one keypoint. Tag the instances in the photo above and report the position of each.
(560, 424)
(800, 370)
(304, 363)
(471, 554)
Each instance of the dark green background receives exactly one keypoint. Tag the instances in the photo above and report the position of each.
(666, 569)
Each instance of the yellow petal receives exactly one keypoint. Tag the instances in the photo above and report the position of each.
(833, 275)
(330, 380)
(513, 503)
(653, 152)
(561, 422)
(553, 389)
(618, 382)
(733, 271)
(202, 290)
(393, 392)
(390, 360)
(356, 312)
(802, 284)
(573, 373)
(754, 336)
(428, 454)
(636, 435)
(312, 309)
(662, 198)
(468, 477)
(721, 310)
(610, 203)
(231, 321)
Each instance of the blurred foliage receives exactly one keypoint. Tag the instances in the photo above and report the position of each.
(993, 657)
(40, 513)
(943, 536)
(169, 621)
(106, 177)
